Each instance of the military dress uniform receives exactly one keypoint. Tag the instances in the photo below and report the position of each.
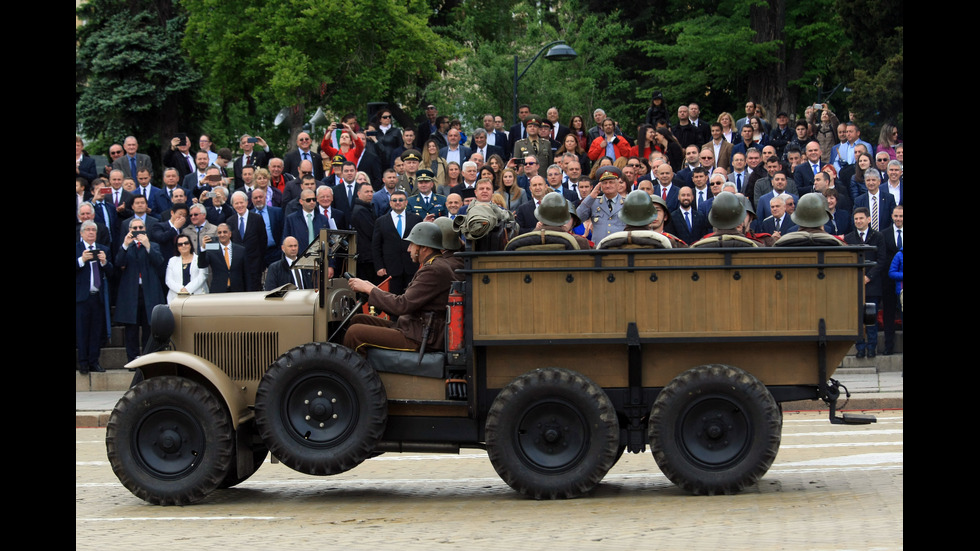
(539, 148)
(604, 214)
(436, 205)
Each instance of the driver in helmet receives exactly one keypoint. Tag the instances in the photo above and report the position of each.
(428, 292)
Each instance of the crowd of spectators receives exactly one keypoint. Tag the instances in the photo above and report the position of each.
(225, 221)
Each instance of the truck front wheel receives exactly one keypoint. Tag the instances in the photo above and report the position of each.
(321, 409)
(552, 434)
(169, 441)
(714, 429)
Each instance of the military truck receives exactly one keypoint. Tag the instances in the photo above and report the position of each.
(556, 363)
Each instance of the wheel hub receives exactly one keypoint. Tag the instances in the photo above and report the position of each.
(714, 432)
(320, 410)
(168, 442)
(552, 437)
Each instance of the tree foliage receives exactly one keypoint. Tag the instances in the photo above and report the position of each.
(131, 76)
(483, 81)
(339, 54)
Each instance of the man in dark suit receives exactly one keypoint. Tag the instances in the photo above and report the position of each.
(389, 250)
(494, 138)
(686, 223)
(84, 165)
(131, 162)
(273, 221)
(803, 175)
(279, 272)
(345, 192)
(298, 223)
(119, 197)
(140, 211)
(519, 131)
(778, 187)
(218, 209)
(251, 156)
(179, 156)
(86, 211)
(863, 234)
(91, 297)
(324, 205)
(779, 223)
(248, 230)
(140, 286)
(455, 151)
(163, 200)
(878, 202)
(894, 238)
(226, 262)
(664, 186)
(105, 214)
(303, 152)
(165, 233)
(198, 178)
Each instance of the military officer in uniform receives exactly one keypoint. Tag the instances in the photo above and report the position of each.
(406, 181)
(639, 214)
(534, 145)
(601, 211)
(426, 201)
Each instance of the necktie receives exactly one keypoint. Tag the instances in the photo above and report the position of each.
(241, 227)
(306, 156)
(700, 197)
(309, 227)
(199, 237)
(399, 226)
(190, 163)
(874, 212)
(863, 237)
(778, 223)
(132, 166)
(96, 280)
(663, 194)
(350, 194)
(816, 168)
(115, 198)
(899, 238)
(228, 264)
(534, 145)
(610, 206)
(426, 202)
(298, 278)
(687, 218)
(738, 182)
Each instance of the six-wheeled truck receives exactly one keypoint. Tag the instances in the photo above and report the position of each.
(556, 363)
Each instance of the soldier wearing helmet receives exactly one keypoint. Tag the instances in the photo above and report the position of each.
(553, 230)
(728, 217)
(811, 213)
(420, 310)
(640, 214)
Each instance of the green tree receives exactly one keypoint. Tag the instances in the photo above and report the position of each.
(131, 77)
(338, 54)
(482, 81)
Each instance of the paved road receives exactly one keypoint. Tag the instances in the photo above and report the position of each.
(831, 487)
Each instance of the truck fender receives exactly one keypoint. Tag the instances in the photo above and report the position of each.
(194, 367)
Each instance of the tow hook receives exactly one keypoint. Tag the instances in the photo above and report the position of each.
(831, 394)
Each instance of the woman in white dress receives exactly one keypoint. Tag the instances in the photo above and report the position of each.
(183, 275)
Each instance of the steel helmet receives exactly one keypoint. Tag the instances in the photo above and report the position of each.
(552, 211)
(812, 211)
(727, 211)
(638, 209)
(426, 234)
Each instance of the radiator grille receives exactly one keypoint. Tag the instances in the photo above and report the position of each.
(242, 355)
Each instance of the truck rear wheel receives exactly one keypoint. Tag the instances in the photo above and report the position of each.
(714, 429)
(321, 409)
(552, 434)
(169, 441)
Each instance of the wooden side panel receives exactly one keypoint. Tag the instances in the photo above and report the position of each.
(667, 295)
(775, 363)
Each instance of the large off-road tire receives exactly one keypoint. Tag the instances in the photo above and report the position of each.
(714, 429)
(321, 409)
(552, 434)
(169, 441)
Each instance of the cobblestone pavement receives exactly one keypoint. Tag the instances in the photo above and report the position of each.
(831, 487)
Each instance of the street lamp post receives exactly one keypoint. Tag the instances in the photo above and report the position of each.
(560, 51)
